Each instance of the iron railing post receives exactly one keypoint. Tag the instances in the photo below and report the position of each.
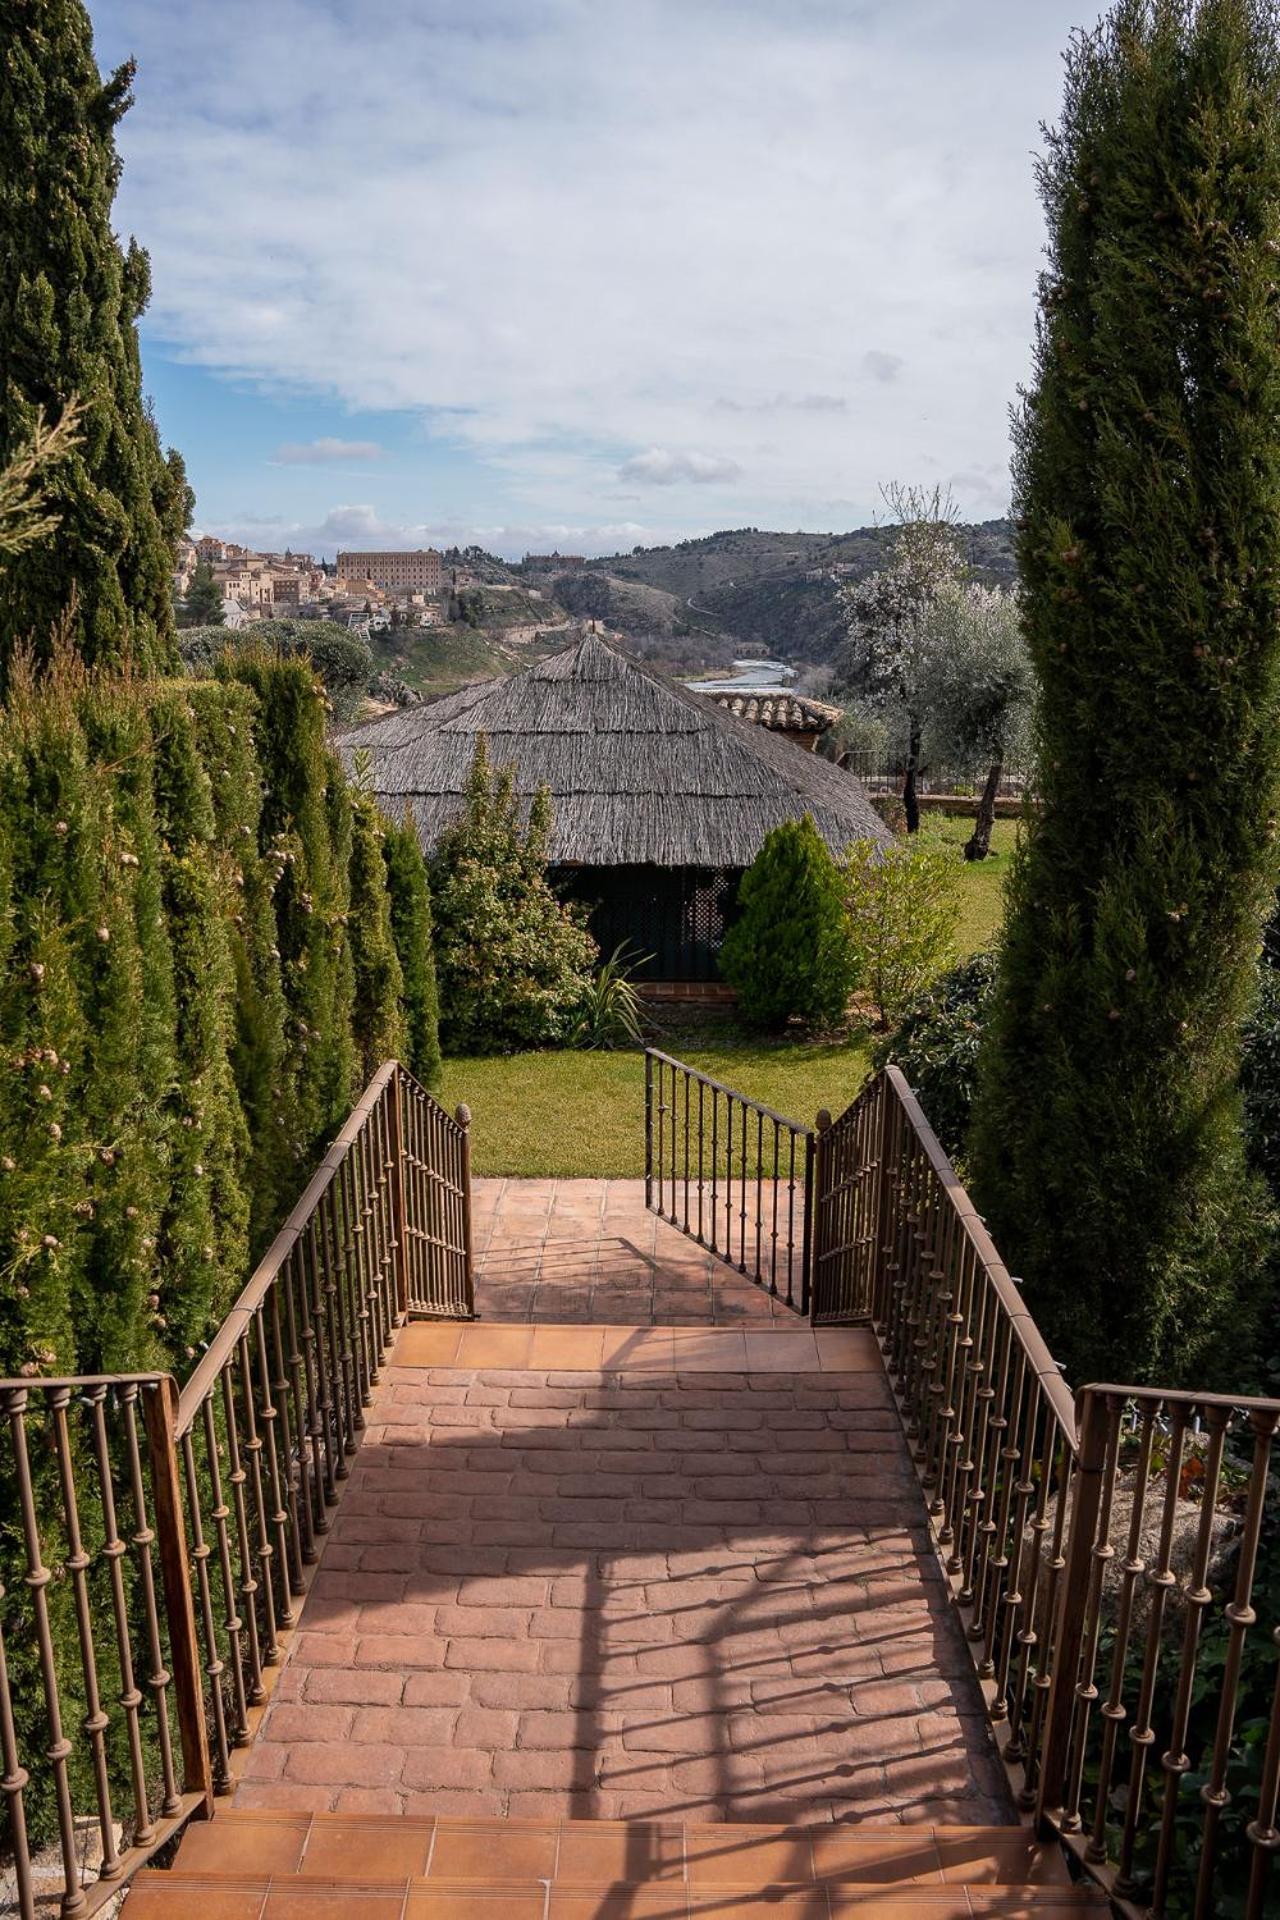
(883, 1204)
(815, 1188)
(648, 1129)
(1073, 1598)
(400, 1212)
(463, 1118)
(160, 1416)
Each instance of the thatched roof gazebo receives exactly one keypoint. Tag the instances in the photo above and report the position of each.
(660, 798)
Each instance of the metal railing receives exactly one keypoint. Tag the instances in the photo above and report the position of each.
(1176, 1484)
(170, 1592)
(732, 1174)
(1028, 1493)
(845, 1205)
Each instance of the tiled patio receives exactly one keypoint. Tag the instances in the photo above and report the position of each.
(621, 1573)
(587, 1251)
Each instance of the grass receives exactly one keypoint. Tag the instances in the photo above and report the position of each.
(581, 1115)
(982, 890)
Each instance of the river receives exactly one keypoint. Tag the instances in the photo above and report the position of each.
(752, 676)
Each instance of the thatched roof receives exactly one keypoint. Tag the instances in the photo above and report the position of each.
(780, 712)
(639, 769)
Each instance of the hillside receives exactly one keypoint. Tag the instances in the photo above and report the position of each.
(776, 591)
(696, 605)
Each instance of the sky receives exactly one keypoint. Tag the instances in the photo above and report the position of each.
(585, 274)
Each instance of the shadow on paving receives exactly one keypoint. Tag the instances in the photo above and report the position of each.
(621, 1596)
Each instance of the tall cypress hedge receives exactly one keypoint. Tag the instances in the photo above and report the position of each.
(186, 897)
(1106, 1144)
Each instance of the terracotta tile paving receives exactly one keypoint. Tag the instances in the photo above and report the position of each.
(596, 1587)
(588, 1251)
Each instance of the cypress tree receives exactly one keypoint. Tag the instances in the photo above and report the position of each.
(411, 927)
(301, 834)
(205, 1233)
(378, 1019)
(1106, 1144)
(70, 299)
(225, 717)
(49, 806)
(128, 994)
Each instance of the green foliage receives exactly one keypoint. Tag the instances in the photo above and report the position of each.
(612, 1014)
(204, 1236)
(411, 926)
(903, 905)
(342, 660)
(225, 719)
(381, 1031)
(514, 963)
(305, 833)
(937, 1045)
(1107, 1145)
(786, 954)
(70, 299)
(202, 604)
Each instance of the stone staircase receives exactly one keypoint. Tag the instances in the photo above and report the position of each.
(303, 1866)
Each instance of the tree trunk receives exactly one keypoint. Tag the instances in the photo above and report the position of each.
(911, 804)
(978, 845)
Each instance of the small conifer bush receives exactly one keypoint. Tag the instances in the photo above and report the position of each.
(787, 954)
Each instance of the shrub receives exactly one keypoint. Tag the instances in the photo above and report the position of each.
(937, 1046)
(903, 902)
(787, 953)
(612, 1013)
(514, 963)
(342, 660)
(411, 928)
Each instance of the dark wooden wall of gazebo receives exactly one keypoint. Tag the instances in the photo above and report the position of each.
(672, 919)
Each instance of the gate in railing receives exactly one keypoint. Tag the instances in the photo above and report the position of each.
(731, 1173)
(790, 1206)
(154, 1548)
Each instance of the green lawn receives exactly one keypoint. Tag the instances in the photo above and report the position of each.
(982, 896)
(582, 1114)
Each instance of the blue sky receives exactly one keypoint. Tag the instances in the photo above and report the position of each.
(582, 273)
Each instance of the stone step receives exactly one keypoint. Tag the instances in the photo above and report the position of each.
(256, 1865)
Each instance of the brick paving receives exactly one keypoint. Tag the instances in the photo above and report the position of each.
(642, 1586)
(587, 1251)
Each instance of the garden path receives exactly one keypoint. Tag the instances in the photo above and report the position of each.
(621, 1572)
(587, 1251)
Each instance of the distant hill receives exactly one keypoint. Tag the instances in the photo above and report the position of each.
(696, 605)
(775, 591)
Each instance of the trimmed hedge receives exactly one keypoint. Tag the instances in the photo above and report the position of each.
(198, 966)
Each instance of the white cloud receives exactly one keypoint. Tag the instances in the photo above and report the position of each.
(326, 452)
(658, 467)
(882, 366)
(362, 526)
(576, 228)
